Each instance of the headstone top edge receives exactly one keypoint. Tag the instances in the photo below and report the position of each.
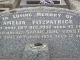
(33, 9)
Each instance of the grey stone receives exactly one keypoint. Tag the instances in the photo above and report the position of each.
(59, 28)
(35, 52)
(73, 4)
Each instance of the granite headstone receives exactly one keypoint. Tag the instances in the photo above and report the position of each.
(60, 28)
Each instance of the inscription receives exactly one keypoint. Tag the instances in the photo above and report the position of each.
(14, 23)
(59, 28)
(19, 24)
(52, 22)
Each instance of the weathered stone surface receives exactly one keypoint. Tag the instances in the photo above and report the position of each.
(59, 28)
(73, 4)
(38, 51)
(4, 9)
(9, 3)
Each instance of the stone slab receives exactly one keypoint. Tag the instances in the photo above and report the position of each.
(59, 28)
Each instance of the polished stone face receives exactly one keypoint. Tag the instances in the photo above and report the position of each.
(59, 28)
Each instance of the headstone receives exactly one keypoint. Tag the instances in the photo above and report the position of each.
(59, 28)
